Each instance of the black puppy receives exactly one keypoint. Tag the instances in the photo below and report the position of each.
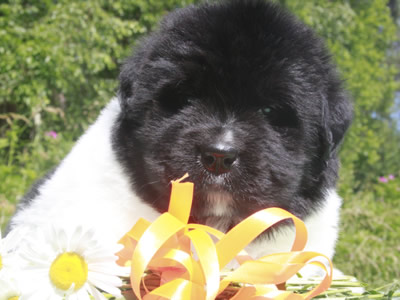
(243, 97)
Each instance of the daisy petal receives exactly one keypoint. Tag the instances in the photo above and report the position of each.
(83, 294)
(75, 239)
(105, 278)
(96, 294)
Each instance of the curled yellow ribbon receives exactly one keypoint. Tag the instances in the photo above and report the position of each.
(190, 262)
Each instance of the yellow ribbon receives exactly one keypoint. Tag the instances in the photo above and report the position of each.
(167, 244)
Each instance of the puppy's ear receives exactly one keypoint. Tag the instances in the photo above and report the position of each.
(145, 77)
(337, 115)
(128, 83)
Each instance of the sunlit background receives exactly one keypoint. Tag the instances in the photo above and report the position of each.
(59, 62)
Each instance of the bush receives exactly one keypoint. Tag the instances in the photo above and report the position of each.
(387, 189)
(59, 62)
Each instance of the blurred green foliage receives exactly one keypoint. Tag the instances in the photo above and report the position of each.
(59, 64)
(368, 246)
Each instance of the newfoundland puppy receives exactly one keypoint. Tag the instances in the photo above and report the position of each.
(242, 96)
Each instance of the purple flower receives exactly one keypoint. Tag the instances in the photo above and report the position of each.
(382, 179)
(51, 134)
(391, 177)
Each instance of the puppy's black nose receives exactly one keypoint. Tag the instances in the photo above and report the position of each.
(218, 160)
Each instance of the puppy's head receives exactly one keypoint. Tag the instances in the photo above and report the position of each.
(243, 97)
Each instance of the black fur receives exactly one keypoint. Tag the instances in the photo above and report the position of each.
(211, 70)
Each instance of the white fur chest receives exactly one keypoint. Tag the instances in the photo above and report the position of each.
(89, 188)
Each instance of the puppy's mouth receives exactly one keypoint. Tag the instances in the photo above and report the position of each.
(216, 209)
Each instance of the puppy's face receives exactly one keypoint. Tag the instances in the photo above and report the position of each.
(242, 97)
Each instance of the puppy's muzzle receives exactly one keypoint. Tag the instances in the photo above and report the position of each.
(218, 160)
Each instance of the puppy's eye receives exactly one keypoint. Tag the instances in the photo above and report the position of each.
(177, 104)
(174, 104)
(280, 116)
(265, 111)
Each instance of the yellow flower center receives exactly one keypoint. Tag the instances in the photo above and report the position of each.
(68, 268)
(1, 263)
(14, 298)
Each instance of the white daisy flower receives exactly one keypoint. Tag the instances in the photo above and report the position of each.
(8, 289)
(70, 266)
(9, 262)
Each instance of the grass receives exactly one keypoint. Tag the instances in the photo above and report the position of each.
(33, 161)
(369, 243)
(343, 288)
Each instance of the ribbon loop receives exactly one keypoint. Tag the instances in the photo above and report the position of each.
(189, 262)
(246, 231)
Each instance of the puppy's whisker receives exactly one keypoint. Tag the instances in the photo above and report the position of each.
(148, 184)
